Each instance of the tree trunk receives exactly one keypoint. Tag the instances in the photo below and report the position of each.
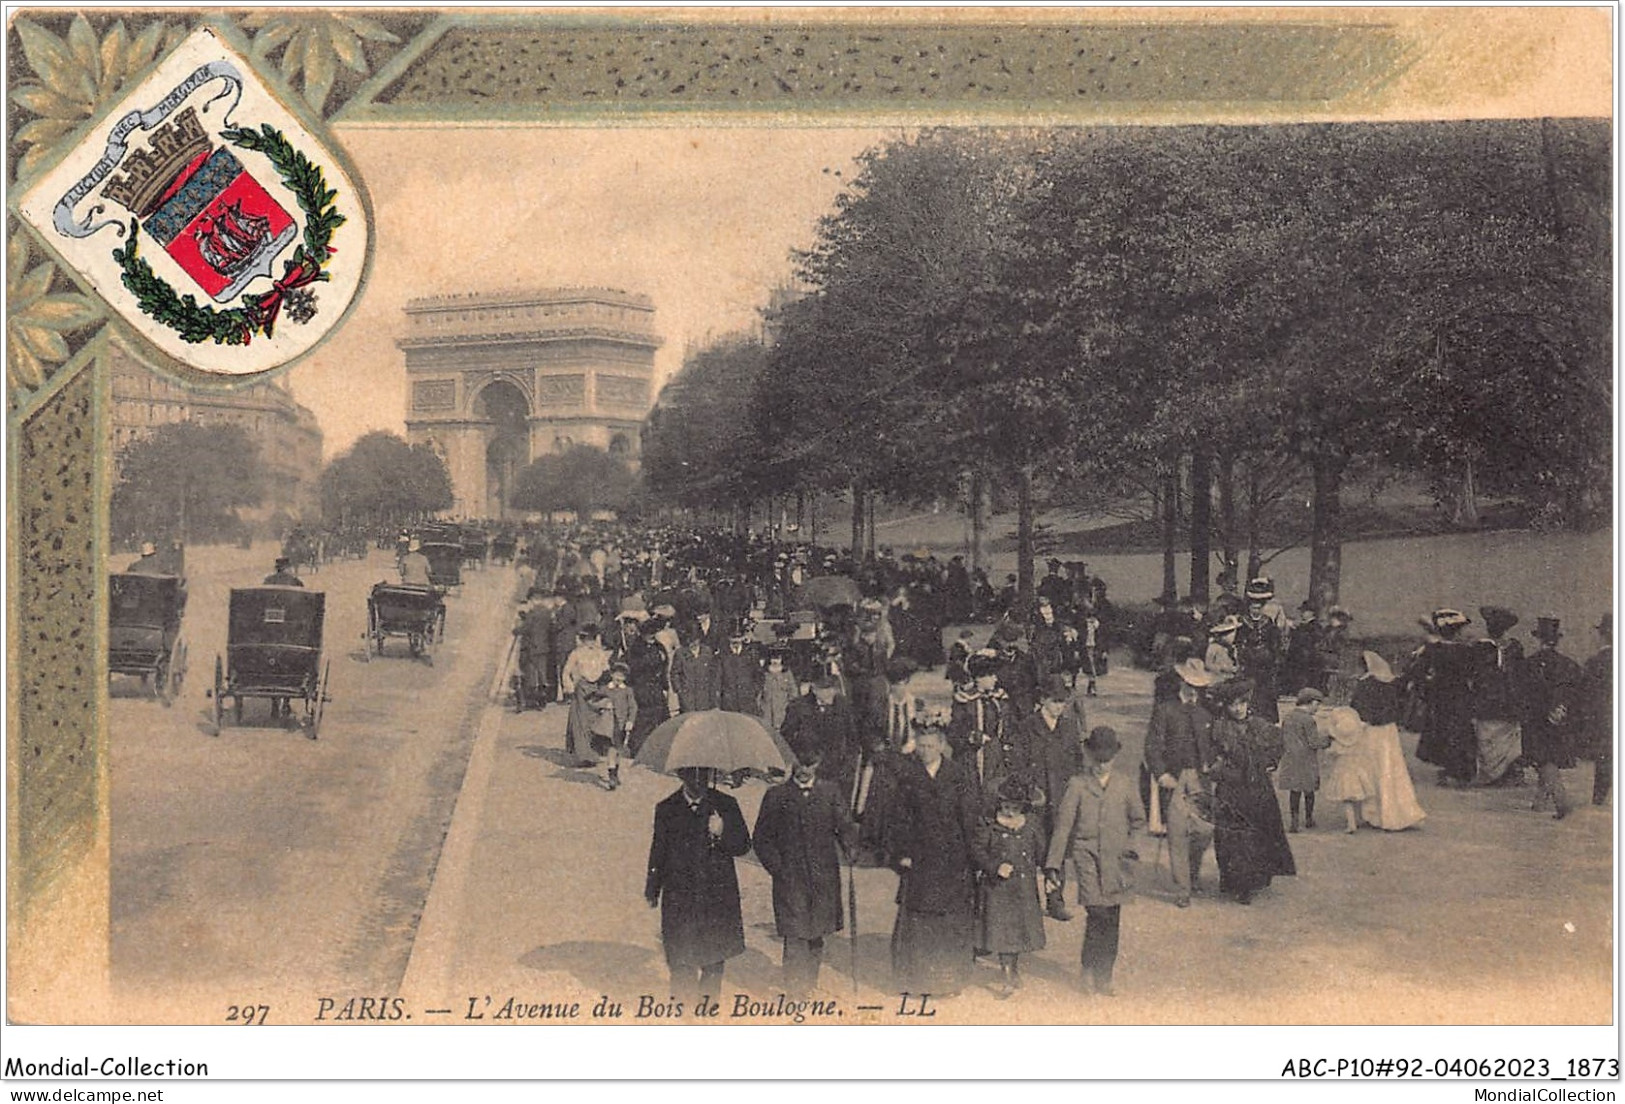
(812, 519)
(978, 518)
(801, 514)
(1170, 531)
(857, 521)
(1201, 523)
(869, 542)
(1255, 522)
(1326, 539)
(1227, 516)
(1024, 538)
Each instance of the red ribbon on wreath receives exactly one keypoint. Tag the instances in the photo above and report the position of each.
(269, 305)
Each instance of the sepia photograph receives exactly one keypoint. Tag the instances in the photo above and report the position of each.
(766, 517)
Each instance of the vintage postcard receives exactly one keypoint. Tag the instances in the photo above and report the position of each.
(761, 516)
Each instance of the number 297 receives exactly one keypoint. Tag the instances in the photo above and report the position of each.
(247, 1013)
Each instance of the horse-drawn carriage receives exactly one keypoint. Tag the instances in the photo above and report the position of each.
(274, 651)
(445, 564)
(303, 550)
(144, 631)
(504, 547)
(417, 613)
(476, 545)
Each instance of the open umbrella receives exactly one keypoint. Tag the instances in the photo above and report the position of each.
(828, 590)
(717, 739)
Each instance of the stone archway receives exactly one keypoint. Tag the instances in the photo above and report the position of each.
(506, 412)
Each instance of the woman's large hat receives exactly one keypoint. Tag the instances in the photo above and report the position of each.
(1377, 667)
(1226, 626)
(1261, 589)
(1446, 618)
(1497, 619)
(1193, 672)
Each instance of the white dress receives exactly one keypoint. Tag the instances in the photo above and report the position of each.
(1372, 770)
(1394, 806)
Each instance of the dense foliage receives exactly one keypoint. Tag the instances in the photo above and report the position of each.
(1163, 313)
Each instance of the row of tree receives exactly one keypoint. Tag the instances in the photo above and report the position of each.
(1169, 314)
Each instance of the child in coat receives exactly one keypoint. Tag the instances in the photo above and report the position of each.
(1008, 850)
(1348, 778)
(1299, 772)
(618, 712)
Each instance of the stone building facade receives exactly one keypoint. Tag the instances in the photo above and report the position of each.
(495, 380)
(289, 438)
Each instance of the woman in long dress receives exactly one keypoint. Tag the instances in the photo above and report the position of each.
(1392, 804)
(1249, 839)
(580, 680)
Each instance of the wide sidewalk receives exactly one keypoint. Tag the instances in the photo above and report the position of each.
(1488, 913)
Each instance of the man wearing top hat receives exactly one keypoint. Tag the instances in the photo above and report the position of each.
(283, 574)
(1497, 699)
(1599, 711)
(1552, 690)
(1177, 753)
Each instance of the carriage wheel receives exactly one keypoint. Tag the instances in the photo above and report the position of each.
(160, 680)
(368, 633)
(313, 706)
(219, 696)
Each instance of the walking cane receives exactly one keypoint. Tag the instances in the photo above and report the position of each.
(502, 675)
(852, 917)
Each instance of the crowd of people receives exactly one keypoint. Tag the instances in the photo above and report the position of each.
(993, 804)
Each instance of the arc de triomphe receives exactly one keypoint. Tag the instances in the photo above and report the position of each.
(497, 379)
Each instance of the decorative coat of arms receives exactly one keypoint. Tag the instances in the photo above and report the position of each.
(208, 216)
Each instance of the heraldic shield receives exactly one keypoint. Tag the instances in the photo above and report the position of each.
(203, 181)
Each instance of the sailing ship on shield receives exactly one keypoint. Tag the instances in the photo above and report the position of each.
(238, 206)
(206, 210)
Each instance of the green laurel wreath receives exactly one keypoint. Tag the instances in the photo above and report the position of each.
(238, 325)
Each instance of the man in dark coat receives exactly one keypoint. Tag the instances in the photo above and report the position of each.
(695, 676)
(564, 634)
(698, 833)
(536, 663)
(804, 827)
(820, 725)
(937, 811)
(1053, 742)
(1177, 752)
(1552, 688)
(283, 574)
(739, 678)
(1599, 711)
